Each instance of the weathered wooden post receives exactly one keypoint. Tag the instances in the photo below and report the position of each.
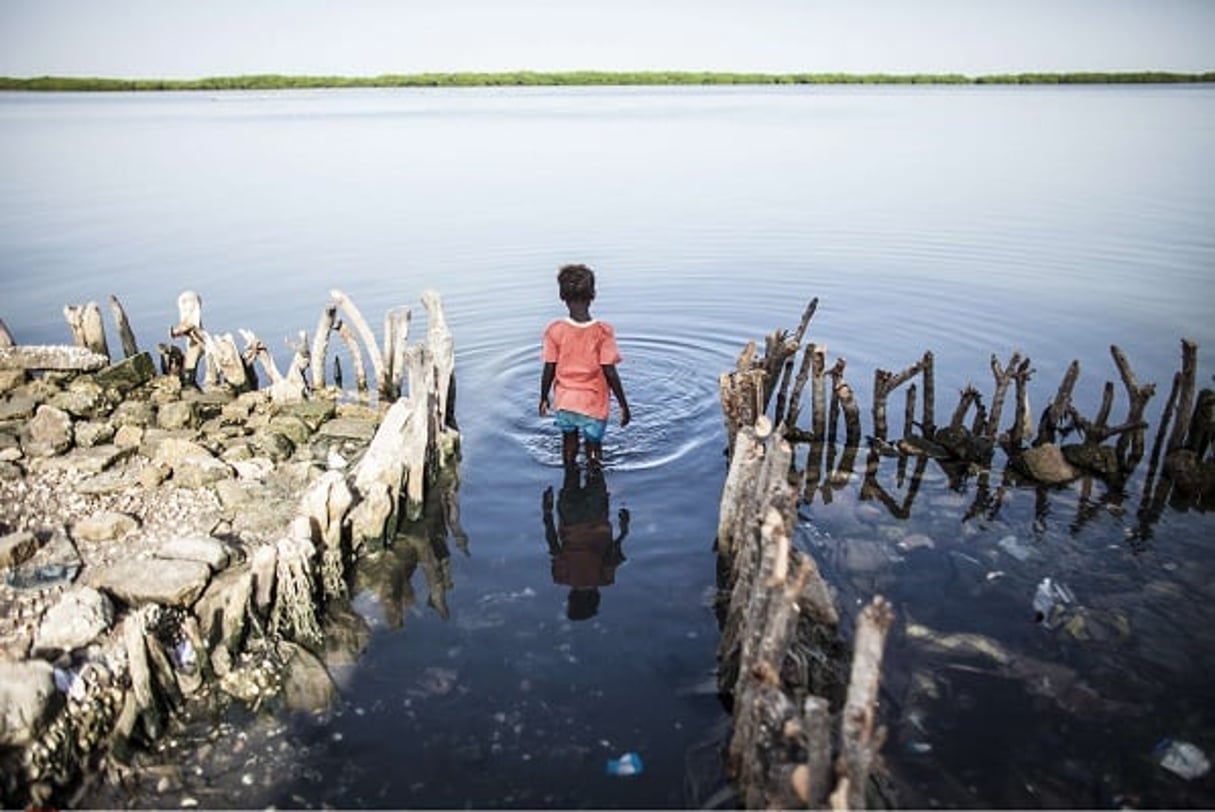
(88, 330)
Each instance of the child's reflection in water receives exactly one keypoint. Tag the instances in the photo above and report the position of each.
(584, 553)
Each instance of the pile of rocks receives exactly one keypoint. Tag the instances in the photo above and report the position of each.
(153, 545)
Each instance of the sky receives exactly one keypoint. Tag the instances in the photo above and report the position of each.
(184, 39)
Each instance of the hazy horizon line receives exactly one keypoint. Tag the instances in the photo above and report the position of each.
(591, 77)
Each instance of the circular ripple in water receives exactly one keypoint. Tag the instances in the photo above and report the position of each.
(671, 384)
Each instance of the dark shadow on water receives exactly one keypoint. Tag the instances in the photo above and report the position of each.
(584, 552)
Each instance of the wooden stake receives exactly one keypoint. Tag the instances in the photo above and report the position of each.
(860, 736)
(320, 343)
(1185, 396)
(129, 346)
(356, 356)
(345, 303)
(87, 327)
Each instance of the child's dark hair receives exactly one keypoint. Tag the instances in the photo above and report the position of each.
(577, 283)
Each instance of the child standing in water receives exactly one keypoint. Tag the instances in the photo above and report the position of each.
(580, 357)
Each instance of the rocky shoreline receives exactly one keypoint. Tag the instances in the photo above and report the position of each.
(162, 544)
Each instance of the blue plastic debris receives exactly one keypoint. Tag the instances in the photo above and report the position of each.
(628, 764)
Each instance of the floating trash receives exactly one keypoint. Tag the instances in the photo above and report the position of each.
(1049, 598)
(1182, 758)
(628, 764)
(1016, 548)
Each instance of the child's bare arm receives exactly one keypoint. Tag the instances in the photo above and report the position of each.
(613, 379)
(546, 383)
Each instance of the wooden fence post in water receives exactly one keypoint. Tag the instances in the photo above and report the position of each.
(125, 334)
(373, 349)
(1139, 397)
(320, 343)
(396, 341)
(189, 325)
(88, 330)
(1003, 377)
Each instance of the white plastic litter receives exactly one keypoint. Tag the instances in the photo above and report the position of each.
(1050, 596)
(1184, 759)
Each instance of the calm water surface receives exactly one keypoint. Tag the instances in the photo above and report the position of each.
(968, 221)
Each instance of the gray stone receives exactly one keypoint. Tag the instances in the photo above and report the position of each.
(107, 525)
(89, 433)
(27, 693)
(17, 407)
(16, 548)
(237, 451)
(10, 441)
(864, 556)
(254, 469)
(80, 617)
(55, 357)
(272, 444)
(307, 685)
(199, 472)
(153, 474)
(128, 436)
(210, 404)
(172, 450)
(209, 551)
(177, 415)
(1047, 464)
(166, 581)
(80, 401)
(237, 411)
(165, 389)
(56, 562)
(10, 379)
(128, 374)
(49, 432)
(11, 471)
(222, 609)
(133, 413)
(108, 482)
(292, 427)
(313, 412)
(86, 460)
(349, 428)
(234, 494)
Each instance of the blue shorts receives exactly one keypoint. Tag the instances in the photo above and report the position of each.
(591, 427)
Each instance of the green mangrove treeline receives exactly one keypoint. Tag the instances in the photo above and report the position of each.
(531, 78)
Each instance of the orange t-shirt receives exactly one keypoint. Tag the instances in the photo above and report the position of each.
(580, 350)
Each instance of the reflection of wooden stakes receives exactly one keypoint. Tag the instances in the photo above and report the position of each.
(885, 382)
(872, 489)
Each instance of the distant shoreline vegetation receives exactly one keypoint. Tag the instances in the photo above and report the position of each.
(589, 78)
